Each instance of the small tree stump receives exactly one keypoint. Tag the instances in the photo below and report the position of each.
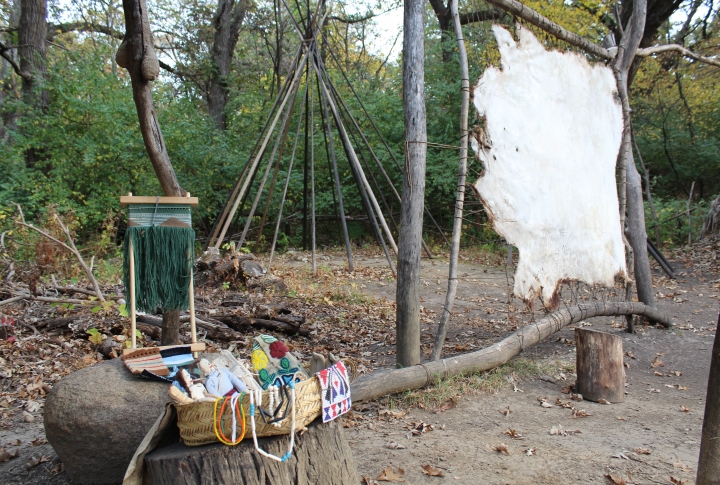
(321, 456)
(600, 371)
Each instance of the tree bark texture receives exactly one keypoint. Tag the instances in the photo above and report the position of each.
(635, 221)
(413, 188)
(712, 221)
(709, 464)
(460, 195)
(321, 456)
(227, 21)
(382, 383)
(137, 55)
(32, 30)
(600, 371)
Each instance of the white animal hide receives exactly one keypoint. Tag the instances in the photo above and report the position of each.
(553, 132)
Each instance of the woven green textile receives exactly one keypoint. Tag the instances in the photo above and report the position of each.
(163, 264)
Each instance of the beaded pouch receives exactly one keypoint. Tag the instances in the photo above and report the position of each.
(274, 364)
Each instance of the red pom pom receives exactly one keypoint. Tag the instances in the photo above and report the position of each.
(278, 350)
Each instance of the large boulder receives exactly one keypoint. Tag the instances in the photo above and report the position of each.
(95, 419)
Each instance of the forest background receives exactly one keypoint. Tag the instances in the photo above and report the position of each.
(71, 143)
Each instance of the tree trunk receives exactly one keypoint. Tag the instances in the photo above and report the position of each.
(31, 50)
(384, 382)
(635, 221)
(227, 21)
(712, 221)
(137, 55)
(413, 189)
(321, 456)
(709, 464)
(600, 371)
(460, 196)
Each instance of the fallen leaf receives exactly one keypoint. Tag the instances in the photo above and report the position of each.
(576, 397)
(397, 414)
(446, 406)
(506, 412)
(15, 443)
(501, 448)
(671, 386)
(604, 401)
(27, 417)
(432, 471)
(530, 451)
(642, 451)
(629, 354)
(39, 441)
(657, 362)
(32, 406)
(684, 409)
(621, 418)
(36, 460)
(394, 446)
(559, 431)
(681, 388)
(676, 373)
(659, 374)
(514, 434)
(616, 480)
(567, 389)
(5, 456)
(563, 404)
(580, 414)
(368, 481)
(682, 466)
(676, 481)
(389, 475)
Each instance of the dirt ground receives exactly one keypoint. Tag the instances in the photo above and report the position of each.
(653, 437)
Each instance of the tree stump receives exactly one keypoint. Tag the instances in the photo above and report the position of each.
(600, 371)
(321, 456)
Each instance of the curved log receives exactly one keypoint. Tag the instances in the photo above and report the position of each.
(384, 382)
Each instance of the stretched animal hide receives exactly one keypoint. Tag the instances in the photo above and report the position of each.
(553, 127)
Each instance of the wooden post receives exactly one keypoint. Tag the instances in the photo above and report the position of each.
(133, 323)
(600, 370)
(709, 464)
(191, 297)
(407, 320)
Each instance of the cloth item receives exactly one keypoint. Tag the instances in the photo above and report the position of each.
(273, 363)
(163, 258)
(335, 392)
(158, 364)
(221, 381)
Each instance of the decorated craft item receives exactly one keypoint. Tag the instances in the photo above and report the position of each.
(158, 257)
(219, 381)
(238, 416)
(274, 364)
(257, 397)
(335, 392)
(157, 362)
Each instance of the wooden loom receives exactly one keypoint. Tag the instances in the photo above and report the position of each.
(166, 210)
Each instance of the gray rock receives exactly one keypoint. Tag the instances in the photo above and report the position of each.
(252, 269)
(95, 419)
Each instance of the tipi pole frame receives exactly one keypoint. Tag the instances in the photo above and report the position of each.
(220, 220)
(382, 139)
(287, 182)
(341, 209)
(353, 156)
(244, 187)
(279, 145)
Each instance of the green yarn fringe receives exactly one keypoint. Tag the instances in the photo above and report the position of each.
(163, 266)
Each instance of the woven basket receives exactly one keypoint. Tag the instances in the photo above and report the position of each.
(196, 420)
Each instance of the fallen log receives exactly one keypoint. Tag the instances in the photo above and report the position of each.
(150, 330)
(244, 324)
(53, 323)
(214, 332)
(384, 382)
